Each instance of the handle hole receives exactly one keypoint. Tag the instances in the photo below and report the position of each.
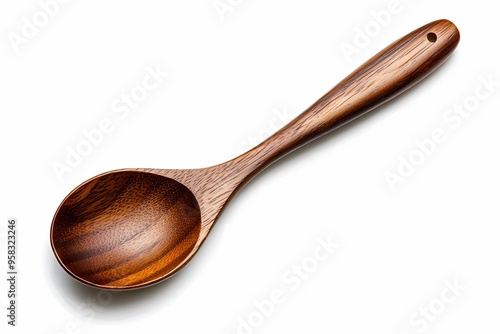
(431, 37)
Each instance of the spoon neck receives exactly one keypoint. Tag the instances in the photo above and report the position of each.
(251, 163)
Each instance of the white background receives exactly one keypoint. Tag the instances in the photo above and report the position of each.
(230, 75)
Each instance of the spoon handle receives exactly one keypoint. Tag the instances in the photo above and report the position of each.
(386, 75)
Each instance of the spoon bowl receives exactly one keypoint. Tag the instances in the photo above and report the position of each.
(128, 229)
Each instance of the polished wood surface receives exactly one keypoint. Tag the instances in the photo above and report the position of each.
(131, 228)
(122, 229)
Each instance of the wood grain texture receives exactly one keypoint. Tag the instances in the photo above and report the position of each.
(121, 228)
(131, 228)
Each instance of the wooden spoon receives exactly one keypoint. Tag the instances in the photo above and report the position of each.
(131, 228)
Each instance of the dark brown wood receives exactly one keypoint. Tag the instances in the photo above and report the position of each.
(131, 228)
(121, 228)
